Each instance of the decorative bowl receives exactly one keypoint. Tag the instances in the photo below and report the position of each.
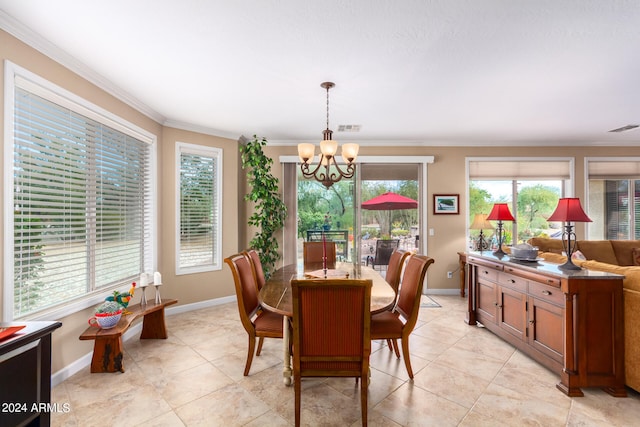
(524, 251)
(106, 320)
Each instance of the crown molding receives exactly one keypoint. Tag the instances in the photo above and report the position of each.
(449, 143)
(44, 46)
(200, 129)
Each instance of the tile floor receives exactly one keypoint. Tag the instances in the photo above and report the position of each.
(464, 376)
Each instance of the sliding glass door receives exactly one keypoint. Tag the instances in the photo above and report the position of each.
(337, 212)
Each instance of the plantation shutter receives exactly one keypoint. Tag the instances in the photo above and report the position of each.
(82, 204)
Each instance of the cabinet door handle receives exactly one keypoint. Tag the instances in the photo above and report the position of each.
(550, 281)
(485, 271)
(546, 293)
(512, 281)
(532, 321)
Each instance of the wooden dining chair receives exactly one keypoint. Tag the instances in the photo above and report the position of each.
(256, 264)
(399, 323)
(331, 335)
(312, 255)
(392, 277)
(257, 322)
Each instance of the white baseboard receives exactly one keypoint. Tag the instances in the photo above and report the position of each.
(84, 361)
(441, 292)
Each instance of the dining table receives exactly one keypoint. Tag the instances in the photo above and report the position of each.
(275, 296)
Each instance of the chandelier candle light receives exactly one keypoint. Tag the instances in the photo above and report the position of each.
(500, 212)
(569, 209)
(328, 148)
(480, 222)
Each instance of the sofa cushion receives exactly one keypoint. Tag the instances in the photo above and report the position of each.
(599, 250)
(624, 251)
(631, 274)
(553, 257)
(632, 338)
(547, 245)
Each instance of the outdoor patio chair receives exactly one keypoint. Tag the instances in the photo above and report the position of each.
(384, 249)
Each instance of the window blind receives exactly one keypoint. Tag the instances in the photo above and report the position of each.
(82, 205)
(613, 169)
(199, 208)
(519, 169)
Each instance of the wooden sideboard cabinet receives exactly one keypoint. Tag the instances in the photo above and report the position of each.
(569, 321)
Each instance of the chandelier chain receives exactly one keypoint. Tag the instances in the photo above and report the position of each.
(327, 107)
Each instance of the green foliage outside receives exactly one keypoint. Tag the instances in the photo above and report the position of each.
(28, 262)
(316, 205)
(270, 211)
(535, 205)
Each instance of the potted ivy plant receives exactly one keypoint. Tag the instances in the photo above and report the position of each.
(270, 211)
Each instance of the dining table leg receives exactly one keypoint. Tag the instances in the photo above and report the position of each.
(286, 345)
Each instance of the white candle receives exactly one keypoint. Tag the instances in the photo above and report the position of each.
(144, 281)
(157, 279)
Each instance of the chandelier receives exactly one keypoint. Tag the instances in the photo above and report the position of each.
(327, 171)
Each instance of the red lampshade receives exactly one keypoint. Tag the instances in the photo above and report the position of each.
(500, 212)
(568, 210)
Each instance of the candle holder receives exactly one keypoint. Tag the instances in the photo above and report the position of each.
(157, 282)
(143, 298)
(144, 282)
(158, 299)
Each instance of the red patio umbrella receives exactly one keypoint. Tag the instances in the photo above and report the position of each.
(389, 202)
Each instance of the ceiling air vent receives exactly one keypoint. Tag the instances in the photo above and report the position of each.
(624, 128)
(349, 128)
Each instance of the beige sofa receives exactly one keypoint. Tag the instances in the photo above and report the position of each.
(613, 256)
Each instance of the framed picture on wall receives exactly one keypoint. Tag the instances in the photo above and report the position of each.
(446, 204)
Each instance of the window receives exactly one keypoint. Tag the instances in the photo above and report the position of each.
(614, 198)
(199, 174)
(80, 201)
(532, 188)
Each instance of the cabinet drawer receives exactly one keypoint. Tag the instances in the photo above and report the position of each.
(547, 293)
(513, 282)
(487, 273)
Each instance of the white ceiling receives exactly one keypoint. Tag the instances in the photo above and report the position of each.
(430, 72)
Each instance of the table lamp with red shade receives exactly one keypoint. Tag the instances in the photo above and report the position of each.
(500, 212)
(568, 210)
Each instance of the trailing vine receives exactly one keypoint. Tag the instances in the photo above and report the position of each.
(270, 211)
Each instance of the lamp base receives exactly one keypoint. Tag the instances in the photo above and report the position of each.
(499, 253)
(569, 265)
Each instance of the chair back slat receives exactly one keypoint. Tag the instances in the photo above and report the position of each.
(246, 287)
(254, 258)
(411, 288)
(394, 270)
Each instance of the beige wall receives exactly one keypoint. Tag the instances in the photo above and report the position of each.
(445, 175)
(191, 288)
(67, 348)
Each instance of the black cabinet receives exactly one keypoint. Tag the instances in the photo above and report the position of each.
(25, 375)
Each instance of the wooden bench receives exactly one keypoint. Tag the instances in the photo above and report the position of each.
(107, 349)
